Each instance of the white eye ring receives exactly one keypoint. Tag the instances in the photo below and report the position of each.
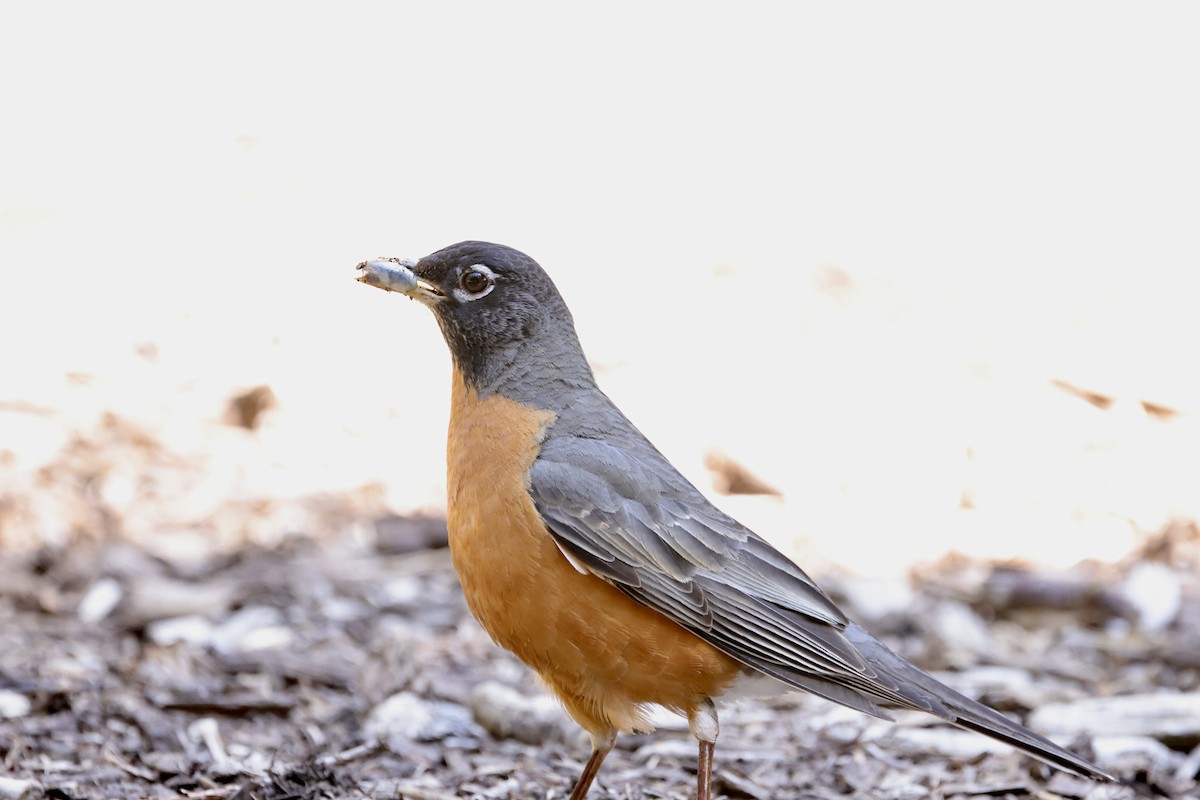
(464, 296)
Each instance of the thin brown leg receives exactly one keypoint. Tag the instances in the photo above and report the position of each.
(600, 748)
(704, 773)
(703, 722)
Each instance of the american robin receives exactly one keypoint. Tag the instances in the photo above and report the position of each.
(582, 550)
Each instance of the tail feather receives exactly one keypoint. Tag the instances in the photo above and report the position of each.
(925, 693)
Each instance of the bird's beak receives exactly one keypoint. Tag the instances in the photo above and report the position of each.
(396, 275)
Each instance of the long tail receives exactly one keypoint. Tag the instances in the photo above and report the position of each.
(922, 692)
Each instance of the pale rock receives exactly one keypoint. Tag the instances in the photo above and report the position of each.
(154, 598)
(1155, 591)
(680, 749)
(508, 714)
(1008, 682)
(921, 741)
(1163, 716)
(404, 718)
(1127, 754)
(842, 724)
(99, 601)
(19, 789)
(252, 628)
(207, 731)
(13, 704)
(191, 629)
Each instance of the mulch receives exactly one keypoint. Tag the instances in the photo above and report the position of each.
(348, 667)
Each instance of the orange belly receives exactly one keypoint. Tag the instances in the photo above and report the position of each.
(604, 654)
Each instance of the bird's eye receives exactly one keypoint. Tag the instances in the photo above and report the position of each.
(474, 281)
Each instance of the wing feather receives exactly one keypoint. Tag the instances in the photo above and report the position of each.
(620, 511)
(655, 537)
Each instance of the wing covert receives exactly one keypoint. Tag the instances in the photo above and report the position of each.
(636, 523)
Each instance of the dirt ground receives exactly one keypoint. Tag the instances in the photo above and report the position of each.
(347, 667)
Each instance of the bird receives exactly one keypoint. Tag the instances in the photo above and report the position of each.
(583, 551)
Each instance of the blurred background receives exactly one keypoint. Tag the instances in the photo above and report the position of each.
(908, 288)
(927, 272)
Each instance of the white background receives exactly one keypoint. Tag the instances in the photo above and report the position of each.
(850, 246)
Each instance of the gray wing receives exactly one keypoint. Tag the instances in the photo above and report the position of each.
(638, 524)
(624, 514)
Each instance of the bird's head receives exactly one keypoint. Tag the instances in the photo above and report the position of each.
(497, 308)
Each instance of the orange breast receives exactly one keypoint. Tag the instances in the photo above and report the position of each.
(603, 653)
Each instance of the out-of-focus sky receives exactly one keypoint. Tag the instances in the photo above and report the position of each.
(850, 245)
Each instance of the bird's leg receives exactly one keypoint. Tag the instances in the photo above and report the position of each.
(601, 745)
(704, 774)
(703, 722)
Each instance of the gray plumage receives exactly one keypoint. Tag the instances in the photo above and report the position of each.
(626, 515)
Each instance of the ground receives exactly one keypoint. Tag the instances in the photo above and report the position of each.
(347, 667)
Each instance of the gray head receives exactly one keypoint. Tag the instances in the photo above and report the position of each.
(501, 315)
